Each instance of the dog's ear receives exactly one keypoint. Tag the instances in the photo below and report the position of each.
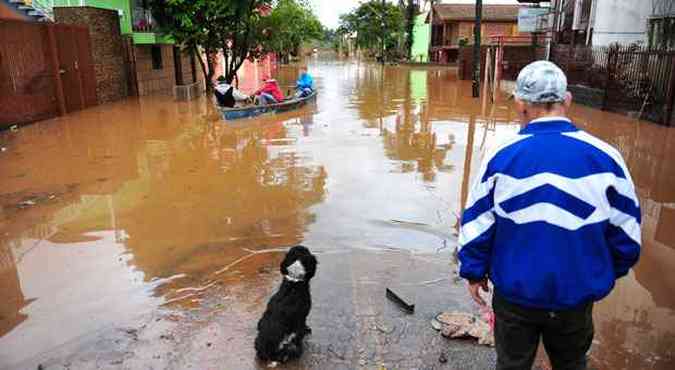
(309, 262)
(285, 263)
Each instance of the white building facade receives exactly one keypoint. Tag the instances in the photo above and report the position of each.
(620, 21)
(606, 22)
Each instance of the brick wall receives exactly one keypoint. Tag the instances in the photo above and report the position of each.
(153, 81)
(187, 69)
(465, 62)
(107, 48)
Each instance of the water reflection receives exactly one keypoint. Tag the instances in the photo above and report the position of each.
(121, 208)
(11, 295)
(637, 321)
(151, 203)
(417, 144)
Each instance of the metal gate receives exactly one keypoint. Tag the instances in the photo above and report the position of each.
(630, 78)
(45, 70)
(27, 83)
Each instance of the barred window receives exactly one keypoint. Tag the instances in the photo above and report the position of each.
(662, 32)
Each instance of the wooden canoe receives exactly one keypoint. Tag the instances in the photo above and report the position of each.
(231, 114)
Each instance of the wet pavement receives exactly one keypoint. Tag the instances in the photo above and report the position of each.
(147, 233)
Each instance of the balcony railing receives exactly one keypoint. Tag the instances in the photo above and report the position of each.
(142, 20)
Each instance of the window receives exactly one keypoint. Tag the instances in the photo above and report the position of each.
(157, 57)
(662, 32)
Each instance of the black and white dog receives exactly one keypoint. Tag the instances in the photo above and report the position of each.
(283, 325)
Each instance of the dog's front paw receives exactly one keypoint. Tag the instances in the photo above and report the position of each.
(273, 364)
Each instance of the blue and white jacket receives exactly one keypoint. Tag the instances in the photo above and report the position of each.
(553, 219)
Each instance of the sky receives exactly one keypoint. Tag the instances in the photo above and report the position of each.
(329, 11)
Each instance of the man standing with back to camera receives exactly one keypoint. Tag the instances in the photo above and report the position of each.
(552, 220)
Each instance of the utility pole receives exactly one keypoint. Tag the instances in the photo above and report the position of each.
(383, 29)
(476, 49)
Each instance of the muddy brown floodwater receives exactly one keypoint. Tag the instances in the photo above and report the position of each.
(147, 233)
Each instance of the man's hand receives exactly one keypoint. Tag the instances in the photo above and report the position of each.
(474, 290)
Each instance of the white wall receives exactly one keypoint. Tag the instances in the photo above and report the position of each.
(623, 21)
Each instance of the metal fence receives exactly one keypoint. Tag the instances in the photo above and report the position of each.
(45, 70)
(630, 78)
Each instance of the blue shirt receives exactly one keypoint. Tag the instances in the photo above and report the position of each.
(305, 82)
(553, 219)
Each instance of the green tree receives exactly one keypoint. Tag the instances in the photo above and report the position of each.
(242, 30)
(410, 9)
(371, 22)
(188, 24)
(291, 24)
(233, 27)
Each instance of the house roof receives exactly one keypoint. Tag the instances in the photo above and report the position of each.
(467, 12)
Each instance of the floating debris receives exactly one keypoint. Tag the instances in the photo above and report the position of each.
(27, 203)
(463, 325)
(409, 308)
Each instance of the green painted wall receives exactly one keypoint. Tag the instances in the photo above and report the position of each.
(147, 38)
(421, 38)
(125, 18)
(123, 5)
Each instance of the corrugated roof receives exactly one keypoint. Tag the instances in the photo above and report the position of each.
(462, 12)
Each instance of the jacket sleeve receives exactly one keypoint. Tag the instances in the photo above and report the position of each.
(623, 232)
(478, 228)
(238, 95)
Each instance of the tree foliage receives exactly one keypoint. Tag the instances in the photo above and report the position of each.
(190, 24)
(240, 29)
(371, 22)
(291, 24)
(410, 9)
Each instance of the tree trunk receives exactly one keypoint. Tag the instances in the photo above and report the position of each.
(208, 85)
(410, 27)
(477, 49)
(211, 71)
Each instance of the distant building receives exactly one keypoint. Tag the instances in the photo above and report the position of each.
(606, 22)
(159, 66)
(133, 58)
(452, 26)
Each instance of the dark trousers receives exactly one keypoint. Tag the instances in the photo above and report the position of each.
(567, 335)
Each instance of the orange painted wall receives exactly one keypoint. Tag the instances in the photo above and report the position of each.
(488, 29)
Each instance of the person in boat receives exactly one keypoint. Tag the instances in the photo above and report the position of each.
(305, 84)
(227, 95)
(269, 93)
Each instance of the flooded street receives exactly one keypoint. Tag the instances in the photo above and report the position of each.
(147, 233)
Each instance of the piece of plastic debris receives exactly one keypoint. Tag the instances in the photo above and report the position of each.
(462, 325)
(409, 308)
(27, 203)
(14, 128)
